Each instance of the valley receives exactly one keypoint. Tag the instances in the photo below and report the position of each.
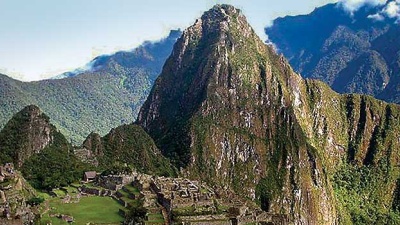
(352, 53)
(106, 95)
(226, 133)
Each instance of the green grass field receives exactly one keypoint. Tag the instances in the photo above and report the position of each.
(59, 193)
(43, 195)
(155, 218)
(94, 209)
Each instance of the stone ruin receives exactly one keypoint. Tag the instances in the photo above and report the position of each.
(114, 182)
(183, 192)
(13, 206)
(175, 193)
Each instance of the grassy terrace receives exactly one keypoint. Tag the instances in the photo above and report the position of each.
(132, 189)
(155, 218)
(94, 209)
(91, 209)
(126, 191)
(125, 197)
(59, 193)
(91, 185)
(123, 193)
(71, 190)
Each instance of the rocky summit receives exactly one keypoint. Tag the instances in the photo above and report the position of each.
(26, 133)
(229, 110)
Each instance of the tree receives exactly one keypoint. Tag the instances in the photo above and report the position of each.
(136, 215)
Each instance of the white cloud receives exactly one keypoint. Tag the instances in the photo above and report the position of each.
(376, 17)
(353, 5)
(391, 10)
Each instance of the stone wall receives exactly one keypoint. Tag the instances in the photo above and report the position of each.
(90, 191)
(114, 182)
(205, 220)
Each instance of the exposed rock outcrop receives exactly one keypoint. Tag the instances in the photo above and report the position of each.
(226, 108)
(15, 193)
(27, 133)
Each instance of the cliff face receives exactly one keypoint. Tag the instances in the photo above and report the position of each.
(27, 133)
(94, 144)
(229, 110)
(356, 138)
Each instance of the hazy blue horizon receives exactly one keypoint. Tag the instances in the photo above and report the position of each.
(45, 38)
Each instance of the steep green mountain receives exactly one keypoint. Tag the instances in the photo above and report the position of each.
(39, 150)
(227, 109)
(353, 53)
(105, 96)
(55, 166)
(27, 133)
(131, 145)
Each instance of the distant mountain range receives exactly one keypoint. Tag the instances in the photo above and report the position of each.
(97, 98)
(353, 53)
(228, 110)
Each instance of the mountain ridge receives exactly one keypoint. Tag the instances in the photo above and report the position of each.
(348, 51)
(130, 145)
(92, 101)
(99, 62)
(226, 108)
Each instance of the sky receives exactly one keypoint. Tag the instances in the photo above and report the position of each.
(44, 38)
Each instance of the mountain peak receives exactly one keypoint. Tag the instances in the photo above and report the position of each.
(228, 109)
(220, 33)
(31, 111)
(28, 132)
(218, 20)
(222, 17)
(218, 60)
(222, 11)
